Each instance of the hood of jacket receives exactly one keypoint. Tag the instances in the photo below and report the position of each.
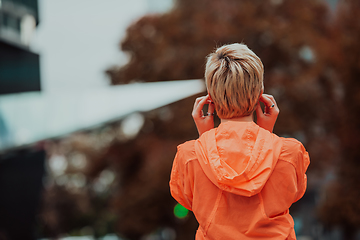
(238, 157)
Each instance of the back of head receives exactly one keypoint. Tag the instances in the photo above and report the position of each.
(234, 80)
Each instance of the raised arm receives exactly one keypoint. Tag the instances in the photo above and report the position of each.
(267, 118)
(203, 122)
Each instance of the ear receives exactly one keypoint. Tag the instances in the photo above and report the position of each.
(210, 98)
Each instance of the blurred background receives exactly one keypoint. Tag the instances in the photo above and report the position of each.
(96, 95)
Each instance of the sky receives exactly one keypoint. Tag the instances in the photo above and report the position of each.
(79, 39)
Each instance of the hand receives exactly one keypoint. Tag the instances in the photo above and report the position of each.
(267, 118)
(203, 122)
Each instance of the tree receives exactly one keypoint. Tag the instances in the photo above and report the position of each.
(341, 206)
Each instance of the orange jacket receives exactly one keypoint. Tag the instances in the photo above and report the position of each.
(240, 181)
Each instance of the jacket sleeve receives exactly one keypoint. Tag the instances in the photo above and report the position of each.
(181, 180)
(296, 154)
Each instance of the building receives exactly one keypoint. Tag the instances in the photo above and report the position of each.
(19, 67)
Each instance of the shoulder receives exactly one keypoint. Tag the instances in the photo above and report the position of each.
(186, 151)
(291, 145)
(292, 151)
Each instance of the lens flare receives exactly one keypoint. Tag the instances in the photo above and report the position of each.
(180, 211)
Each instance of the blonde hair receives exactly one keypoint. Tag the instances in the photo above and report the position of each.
(234, 80)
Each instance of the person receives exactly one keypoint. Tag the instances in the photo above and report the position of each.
(239, 178)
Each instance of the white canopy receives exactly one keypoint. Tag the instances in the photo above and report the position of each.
(30, 117)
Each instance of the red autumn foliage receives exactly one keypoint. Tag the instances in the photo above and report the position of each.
(312, 63)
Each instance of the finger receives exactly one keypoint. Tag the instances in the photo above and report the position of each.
(271, 98)
(271, 110)
(268, 101)
(259, 111)
(197, 109)
(198, 106)
(211, 108)
(202, 103)
(197, 100)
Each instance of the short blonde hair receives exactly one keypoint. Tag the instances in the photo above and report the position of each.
(234, 79)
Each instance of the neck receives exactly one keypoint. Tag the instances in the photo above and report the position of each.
(239, 119)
